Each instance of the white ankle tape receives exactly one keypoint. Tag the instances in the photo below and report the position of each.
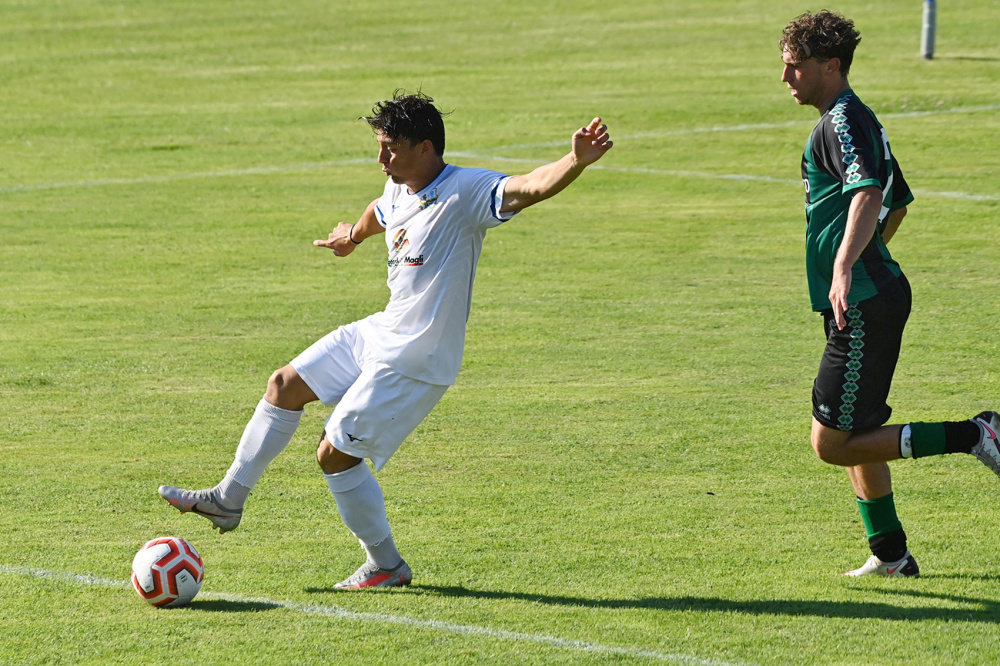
(905, 442)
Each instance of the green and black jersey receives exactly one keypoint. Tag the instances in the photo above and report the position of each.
(848, 149)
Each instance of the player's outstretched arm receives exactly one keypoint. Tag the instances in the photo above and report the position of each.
(589, 145)
(346, 237)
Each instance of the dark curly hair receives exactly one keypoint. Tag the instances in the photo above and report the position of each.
(823, 36)
(410, 116)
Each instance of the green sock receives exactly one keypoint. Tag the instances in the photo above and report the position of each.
(927, 439)
(879, 515)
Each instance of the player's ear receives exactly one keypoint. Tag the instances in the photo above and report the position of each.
(832, 65)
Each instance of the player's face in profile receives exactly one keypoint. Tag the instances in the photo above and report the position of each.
(804, 79)
(398, 158)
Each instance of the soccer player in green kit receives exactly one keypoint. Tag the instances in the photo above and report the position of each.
(856, 198)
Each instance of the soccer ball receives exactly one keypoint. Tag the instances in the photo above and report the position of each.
(167, 572)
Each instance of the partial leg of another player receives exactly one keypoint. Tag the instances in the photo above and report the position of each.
(266, 435)
(865, 455)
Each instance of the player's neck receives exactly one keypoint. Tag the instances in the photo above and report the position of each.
(832, 94)
(426, 177)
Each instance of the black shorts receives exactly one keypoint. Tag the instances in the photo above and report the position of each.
(855, 374)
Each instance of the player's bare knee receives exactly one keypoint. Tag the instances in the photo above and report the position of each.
(276, 385)
(818, 448)
(827, 450)
(331, 460)
(324, 452)
(287, 390)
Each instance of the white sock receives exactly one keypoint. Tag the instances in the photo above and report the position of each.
(267, 434)
(362, 507)
(384, 554)
(231, 494)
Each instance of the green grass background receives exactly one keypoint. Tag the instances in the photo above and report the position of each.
(624, 459)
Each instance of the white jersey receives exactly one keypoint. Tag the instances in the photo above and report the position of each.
(434, 238)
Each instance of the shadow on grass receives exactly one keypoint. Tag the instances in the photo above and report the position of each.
(873, 606)
(228, 606)
(976, 610)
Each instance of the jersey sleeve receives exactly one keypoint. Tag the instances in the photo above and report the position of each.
(484, 197)
(853, 148)
(901, 193)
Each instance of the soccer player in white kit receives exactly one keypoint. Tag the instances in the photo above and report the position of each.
(385, 373)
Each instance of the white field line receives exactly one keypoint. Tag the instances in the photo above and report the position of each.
(766, 126)
(251, 171)
(495, 156)
(672, 173)
(316, 166)
(383, 618)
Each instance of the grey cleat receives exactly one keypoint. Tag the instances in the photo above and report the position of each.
(204, 504)
(988, 448)
(370, 575)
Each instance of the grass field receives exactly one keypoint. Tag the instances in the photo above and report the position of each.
(622, 473)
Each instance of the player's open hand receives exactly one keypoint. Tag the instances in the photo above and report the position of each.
(339, 240)
(591, 142)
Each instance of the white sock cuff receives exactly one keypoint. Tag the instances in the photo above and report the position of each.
(284, 421)
(244, 476)
(349, 479)
(380, 535)
(232, 493)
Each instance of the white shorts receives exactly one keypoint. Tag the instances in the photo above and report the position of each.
(376, 407)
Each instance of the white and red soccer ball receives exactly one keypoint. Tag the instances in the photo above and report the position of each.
(167, 572)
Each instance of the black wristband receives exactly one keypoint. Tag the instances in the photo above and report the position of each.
(350, 235)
